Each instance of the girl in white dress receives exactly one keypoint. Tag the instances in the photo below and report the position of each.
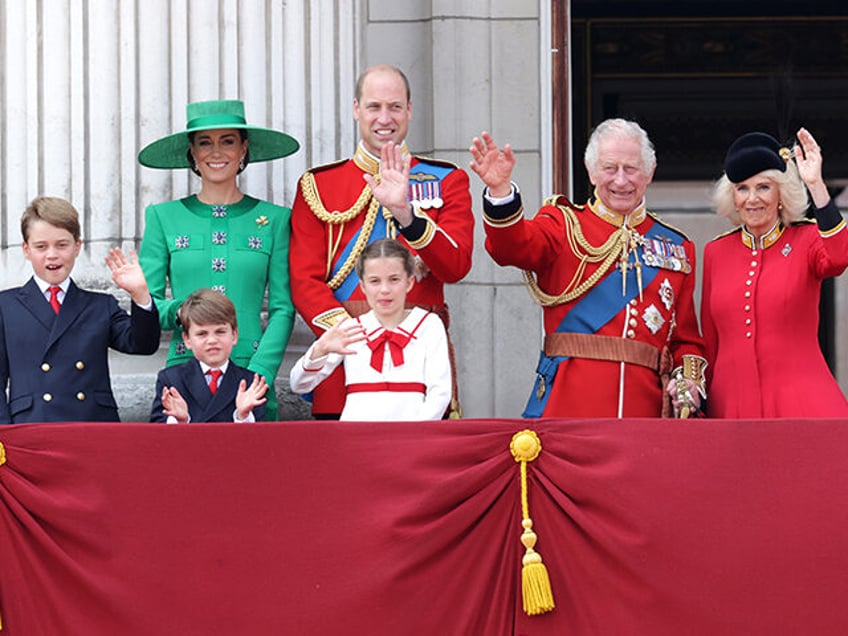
(395, 358)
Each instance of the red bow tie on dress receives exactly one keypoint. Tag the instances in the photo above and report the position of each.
(397, 341)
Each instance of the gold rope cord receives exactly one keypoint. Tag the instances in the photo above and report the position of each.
(614, 247)
(361, 242)
(310, 195)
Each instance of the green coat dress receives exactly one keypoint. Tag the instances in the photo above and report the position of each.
(241, 250)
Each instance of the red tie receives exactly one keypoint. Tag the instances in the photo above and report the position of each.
(214, 374)
(397, 341)
(54, 298)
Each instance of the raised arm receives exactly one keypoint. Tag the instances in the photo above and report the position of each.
(493, 165)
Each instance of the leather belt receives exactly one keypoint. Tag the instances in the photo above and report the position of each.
(583, 345)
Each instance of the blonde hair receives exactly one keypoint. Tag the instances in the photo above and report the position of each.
(793, 195)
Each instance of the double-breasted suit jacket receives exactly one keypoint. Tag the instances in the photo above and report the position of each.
(56, 365)
(189, 380)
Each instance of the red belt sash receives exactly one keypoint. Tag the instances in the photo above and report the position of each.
(396, 387)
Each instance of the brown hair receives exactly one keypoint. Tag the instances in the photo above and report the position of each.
(207, 307)
(53, 210)
(386, 248)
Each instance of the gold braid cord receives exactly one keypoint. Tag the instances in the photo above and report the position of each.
(361, 242)
(607, 254)
(336, 217)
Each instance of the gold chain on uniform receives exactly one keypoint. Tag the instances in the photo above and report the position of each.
(313, 200)
(613, 249)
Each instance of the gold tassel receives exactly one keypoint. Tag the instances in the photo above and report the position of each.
(535, 583)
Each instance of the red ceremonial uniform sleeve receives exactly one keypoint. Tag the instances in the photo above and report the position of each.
(447, 251)
(686, 337)
(531, 244)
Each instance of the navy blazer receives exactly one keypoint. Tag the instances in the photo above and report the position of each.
(57, 365)
(189, 380)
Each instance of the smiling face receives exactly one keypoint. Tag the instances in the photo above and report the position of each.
(619, 175)
(758, 201)
(386, 284)
(51, 250)
(217, 153)
(211, 343)
(383, 110)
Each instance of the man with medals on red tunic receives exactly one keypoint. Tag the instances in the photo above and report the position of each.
(382, 191)
(615, 282)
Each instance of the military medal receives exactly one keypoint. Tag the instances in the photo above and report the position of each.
(662, 253)
(425, 190)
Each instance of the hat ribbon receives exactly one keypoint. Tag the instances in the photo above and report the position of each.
(216, 120)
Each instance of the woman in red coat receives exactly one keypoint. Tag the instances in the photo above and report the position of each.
(762, 281)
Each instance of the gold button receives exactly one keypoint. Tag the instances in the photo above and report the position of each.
(633, 322)
(747, 307)
(748, 322)
(748, 335)
(633, 302)
(748, 282)
(747, 294)
(753, 263)
(631, 333)
(80, 396)
(80, 365)
(46, 397)
(45, 367)
(634, 312)
(754, 253)
(750, 273)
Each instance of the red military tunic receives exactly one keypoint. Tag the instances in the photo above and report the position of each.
(760, 315)
(663, 316)
(441, 235)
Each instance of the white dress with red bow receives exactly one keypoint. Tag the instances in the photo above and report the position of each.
(399, 374)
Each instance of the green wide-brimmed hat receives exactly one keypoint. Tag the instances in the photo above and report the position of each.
(171, 151)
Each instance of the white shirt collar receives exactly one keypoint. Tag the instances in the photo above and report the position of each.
(205, 367)
(43, 285)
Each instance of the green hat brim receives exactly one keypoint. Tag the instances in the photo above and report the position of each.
(264, 144)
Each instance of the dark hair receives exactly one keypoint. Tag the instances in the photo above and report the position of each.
(193, 166)
(360, 81)
(207, 307)
(53, 210)
(386, 248)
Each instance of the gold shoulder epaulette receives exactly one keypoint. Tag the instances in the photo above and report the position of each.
(561, 200)
(733, 230)
(436, 162)
(328, 166)
(668, 225)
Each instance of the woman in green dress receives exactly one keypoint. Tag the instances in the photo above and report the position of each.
(220, 237)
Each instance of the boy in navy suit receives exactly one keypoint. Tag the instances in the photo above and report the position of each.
(209, 388)
(55, 337)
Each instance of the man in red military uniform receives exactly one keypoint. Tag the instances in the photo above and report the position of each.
(382, 191)
(615, 282)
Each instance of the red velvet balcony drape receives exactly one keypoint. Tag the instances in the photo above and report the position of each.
(316, 528)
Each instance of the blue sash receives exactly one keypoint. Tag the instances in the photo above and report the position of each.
(344, 291)
(594, 309)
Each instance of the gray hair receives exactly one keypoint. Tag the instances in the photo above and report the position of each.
(793, 195)
(619, 128)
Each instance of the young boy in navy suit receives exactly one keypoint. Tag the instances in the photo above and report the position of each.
(55, 337)
(209, 388)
